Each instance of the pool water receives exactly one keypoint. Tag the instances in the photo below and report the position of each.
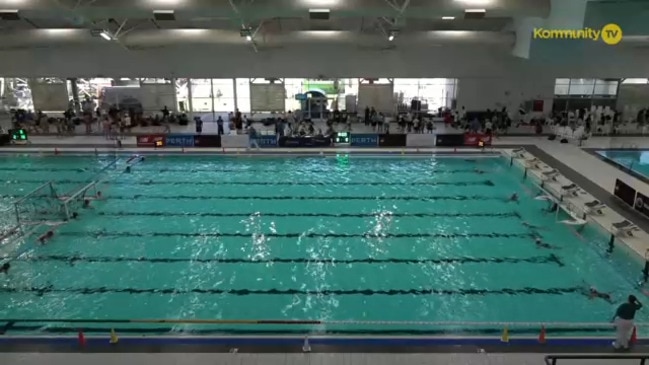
(347, 238)
(636, 160)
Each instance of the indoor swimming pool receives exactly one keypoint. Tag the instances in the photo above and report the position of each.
(319, 238)
(637, 161)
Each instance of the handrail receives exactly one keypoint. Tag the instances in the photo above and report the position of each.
(552, 359)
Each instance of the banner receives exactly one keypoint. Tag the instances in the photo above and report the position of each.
(179, 140)
(207, 140)
(474, 139)
(150, 140)
(235, 141)
(364, 140)
(449, 140)
(392, 140)
(267, 141)
(642, 204)
(304, 142)
(420, 140)
(626, 193)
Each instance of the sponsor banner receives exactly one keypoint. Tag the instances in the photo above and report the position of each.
(626, 193)
(420, 140)
(392, 140)
(267, 141)
(364, 140)
(205, 140)
(235, 141)
(475, 139)
(150, 140)
(304, 142)
(642, 204)
(449, 140)
(179, 140)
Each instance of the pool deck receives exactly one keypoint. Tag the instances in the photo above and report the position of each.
(576, 164)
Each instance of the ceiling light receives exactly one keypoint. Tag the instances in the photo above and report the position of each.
(448, 18)
(161, 15)
(392, 35)
(104, 34)
(475, 11)
(322, 3)
(475, 2)
(249, 38)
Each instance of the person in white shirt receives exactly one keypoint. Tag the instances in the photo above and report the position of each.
(488, 127)
(416, 124)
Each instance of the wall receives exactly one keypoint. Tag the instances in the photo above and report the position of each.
(496, 92)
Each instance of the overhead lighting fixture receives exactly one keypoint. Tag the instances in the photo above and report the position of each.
(474, 13)
(319, 14)
(392, 35)
(475, 2)
(107, 36)
(246, 33)
(164, 15)
(448, 18)
(316, 3)
(9, 15)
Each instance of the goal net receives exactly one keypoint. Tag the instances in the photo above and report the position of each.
(80, 199)
(40, 205)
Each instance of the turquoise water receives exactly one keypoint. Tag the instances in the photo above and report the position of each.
(636, 160)
(385, 239)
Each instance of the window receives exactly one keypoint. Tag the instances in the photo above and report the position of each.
(243, 95)
(435, 93)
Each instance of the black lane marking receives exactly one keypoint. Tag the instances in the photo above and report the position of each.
(327, 215)
(550, 259)
(213, 197)
(262, 183)
(296, 235)
(40, 291)
(252, 170)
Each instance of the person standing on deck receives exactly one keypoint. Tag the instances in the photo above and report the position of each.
(623, 320)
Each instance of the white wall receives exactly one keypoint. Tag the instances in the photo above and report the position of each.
(496, 92)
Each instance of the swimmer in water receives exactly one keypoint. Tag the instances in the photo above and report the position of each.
(4, 269)
(42, 239)
(513, 198)
(86, 203)
(531, 226)
(593, 293)
(540, 244)
(128, 169)
(478, 171)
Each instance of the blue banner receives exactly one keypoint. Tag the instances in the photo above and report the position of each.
(180, 140)
(364, 140)
(267, 140)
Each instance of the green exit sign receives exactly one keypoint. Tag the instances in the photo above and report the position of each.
(342, 137)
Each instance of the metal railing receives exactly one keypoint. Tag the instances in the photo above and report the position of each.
(552, 359)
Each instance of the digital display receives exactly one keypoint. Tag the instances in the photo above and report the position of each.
(18, 135)
(342, 137)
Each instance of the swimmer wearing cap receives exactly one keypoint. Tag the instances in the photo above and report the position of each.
(513, 198)
(4, 269)
(48, 235)
(540, 244)
(593, 293)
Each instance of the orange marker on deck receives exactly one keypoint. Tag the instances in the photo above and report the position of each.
(82, 338)
(542, 335)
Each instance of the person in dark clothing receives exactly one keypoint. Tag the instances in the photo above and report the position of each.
(623, 320)
(219, 124)
(4, 269)
(367, 116)
(199, 125)
(165, 112)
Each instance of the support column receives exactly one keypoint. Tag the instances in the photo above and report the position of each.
(175, 108)
(74, 88)
(190, 103)
(236, 97)
(212, 97)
